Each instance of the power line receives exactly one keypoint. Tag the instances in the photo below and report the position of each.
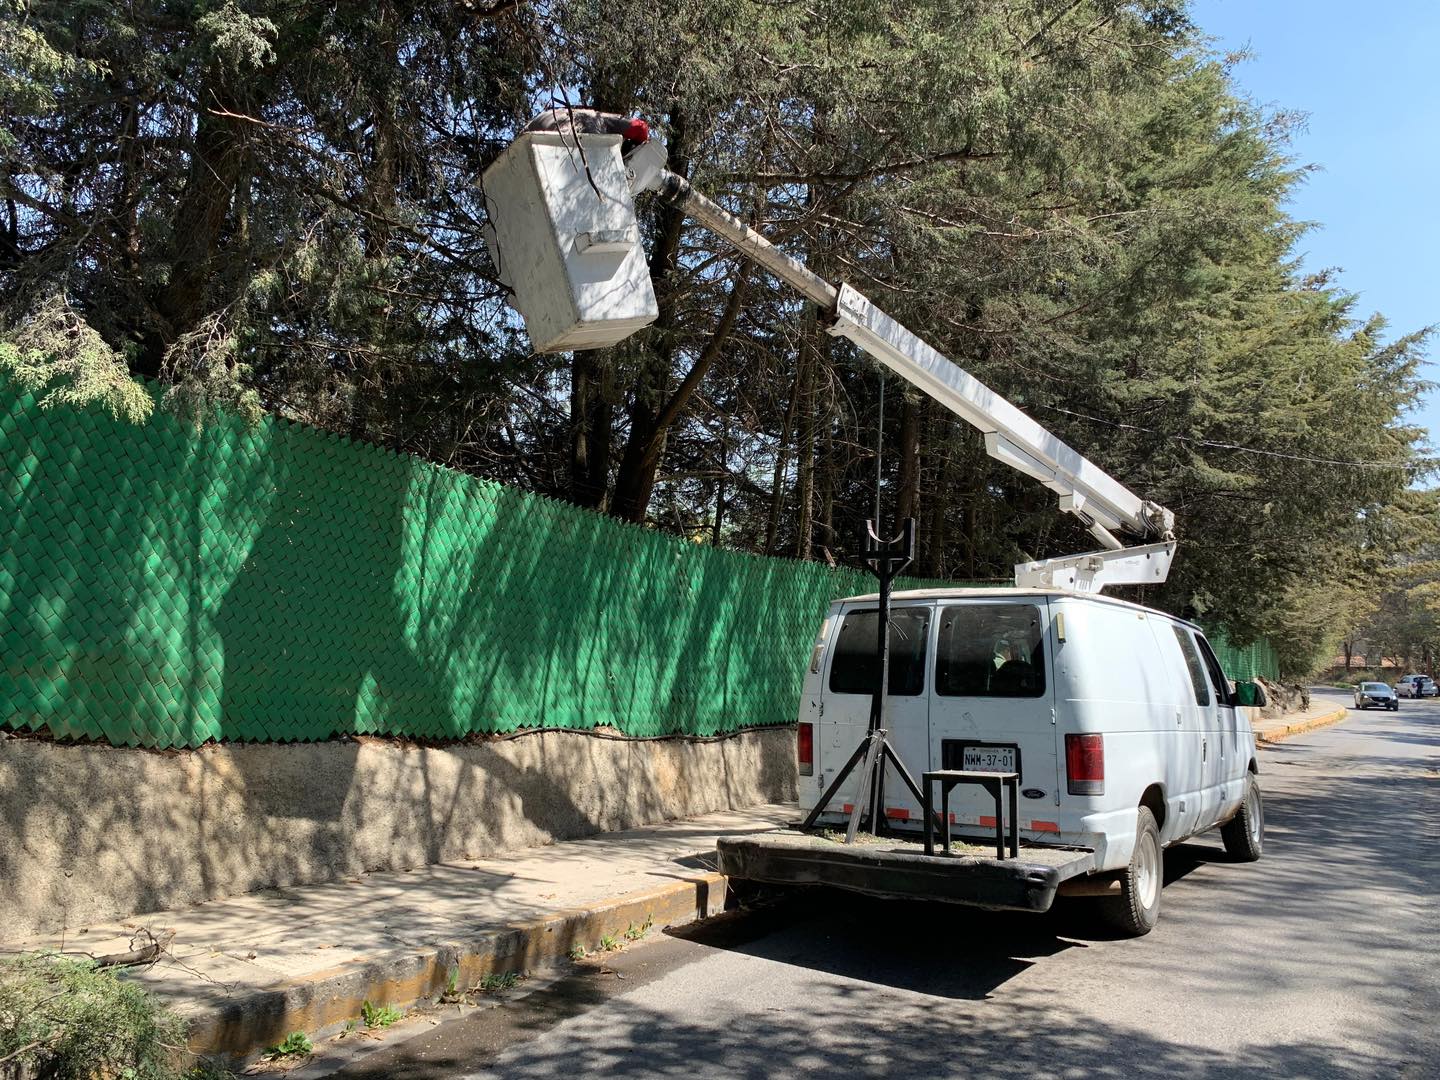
(1232, 446)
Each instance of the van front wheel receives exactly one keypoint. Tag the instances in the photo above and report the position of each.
(1136, 910)
(1244, 834)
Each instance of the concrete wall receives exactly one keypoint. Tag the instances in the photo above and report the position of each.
(94, 833)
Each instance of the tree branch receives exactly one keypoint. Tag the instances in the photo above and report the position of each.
(888, 169)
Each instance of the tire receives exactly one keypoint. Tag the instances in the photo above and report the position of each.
(1244, 834)
(1136, 910)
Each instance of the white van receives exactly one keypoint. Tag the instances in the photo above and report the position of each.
(1118, 719)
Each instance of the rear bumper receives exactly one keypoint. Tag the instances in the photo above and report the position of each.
(1027, 883)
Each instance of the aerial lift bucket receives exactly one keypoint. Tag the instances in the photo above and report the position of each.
(564, 237)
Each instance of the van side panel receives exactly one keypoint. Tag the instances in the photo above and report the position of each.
(1237, 744)
(1114, 678)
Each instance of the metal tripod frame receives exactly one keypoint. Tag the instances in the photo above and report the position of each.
(887, 560)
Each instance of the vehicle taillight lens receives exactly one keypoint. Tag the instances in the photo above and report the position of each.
(1085, 764)
(805, 749)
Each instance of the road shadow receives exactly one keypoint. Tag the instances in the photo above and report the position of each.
(944, 950)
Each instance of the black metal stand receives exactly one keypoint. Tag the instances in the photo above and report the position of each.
(886, 559)
(998, 784)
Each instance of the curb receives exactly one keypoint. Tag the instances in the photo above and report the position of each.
(1279, 732)
(322, 1004)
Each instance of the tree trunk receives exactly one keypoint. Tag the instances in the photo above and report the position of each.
(649, 428)
(805, 447)
(633, 482)
(827, 467)
(216, 163)
(782, 462)
(907, 498)
(590, 428)
(936, 534)
(972, 519)
(720, 482)
(652, 413)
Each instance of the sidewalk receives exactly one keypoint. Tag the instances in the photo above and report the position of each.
(1320, 714)
(251, 969)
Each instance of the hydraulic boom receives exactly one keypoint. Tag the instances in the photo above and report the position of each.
(563, 233)
(1099, 500)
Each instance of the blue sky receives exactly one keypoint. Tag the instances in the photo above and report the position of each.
(1366, 77)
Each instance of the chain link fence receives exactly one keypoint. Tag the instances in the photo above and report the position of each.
(163, 587)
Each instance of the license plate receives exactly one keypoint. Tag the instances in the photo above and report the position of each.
(989, 759)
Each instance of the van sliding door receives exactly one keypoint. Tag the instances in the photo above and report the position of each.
(1190, 781)
(1227, 770)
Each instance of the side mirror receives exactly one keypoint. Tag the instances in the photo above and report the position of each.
(1250, 694)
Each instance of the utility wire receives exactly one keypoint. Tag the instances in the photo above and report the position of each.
(1232, 446)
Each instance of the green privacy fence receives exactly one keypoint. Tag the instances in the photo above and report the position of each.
(162, 588)
(1257, 660)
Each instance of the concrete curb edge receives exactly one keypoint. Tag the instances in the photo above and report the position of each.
(1279, 732)
(322, 1004)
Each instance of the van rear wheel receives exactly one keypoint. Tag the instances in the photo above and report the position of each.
(1137, 909)
(1244, 834)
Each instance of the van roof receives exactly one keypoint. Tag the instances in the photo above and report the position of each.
(1007, 593)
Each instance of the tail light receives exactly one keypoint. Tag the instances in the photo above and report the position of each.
(805, 749)
(1085, 764)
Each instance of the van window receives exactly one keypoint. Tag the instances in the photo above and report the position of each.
(991, 650)
(1217, 674)
(1192, 661)
(855, 669)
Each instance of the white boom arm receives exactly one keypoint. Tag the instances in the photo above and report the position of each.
(1085, 490)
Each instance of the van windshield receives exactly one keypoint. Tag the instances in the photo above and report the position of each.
(991, 650)
(855, 669)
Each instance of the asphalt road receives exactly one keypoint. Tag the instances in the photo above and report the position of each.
(1319, 960)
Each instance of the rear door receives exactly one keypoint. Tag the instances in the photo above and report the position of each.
(850, 683)
(992, 703)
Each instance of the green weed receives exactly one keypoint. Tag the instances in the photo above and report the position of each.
(379, 1016)
(452, 986)
(297, 1042)
(205, 1069)
(493, 982)
(635, 933)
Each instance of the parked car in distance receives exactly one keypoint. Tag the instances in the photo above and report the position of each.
(1375, 693)
(1416, 686)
